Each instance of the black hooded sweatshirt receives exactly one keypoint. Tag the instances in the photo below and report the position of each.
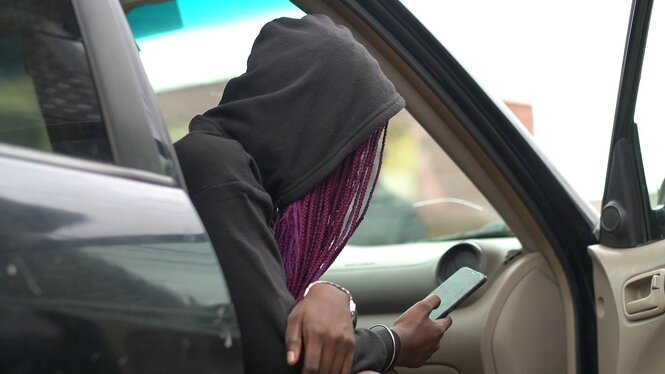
(311, 95)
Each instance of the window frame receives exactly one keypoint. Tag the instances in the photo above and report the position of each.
(627, 219)
(134, 123)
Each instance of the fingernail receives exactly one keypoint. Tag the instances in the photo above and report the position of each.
(290, 356)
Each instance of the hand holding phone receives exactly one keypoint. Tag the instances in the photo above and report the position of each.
(455, 289)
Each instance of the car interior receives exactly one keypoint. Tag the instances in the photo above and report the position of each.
(521, 320)
(442, 204)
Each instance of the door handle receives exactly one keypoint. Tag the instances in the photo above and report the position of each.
(644, 295)
(647, 303)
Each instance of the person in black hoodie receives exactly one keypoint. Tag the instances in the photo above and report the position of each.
(281, 172)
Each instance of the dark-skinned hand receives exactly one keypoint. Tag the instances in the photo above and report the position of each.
(321, 328)
(418, 334)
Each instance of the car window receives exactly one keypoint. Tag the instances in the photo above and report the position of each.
(649, 110)
(48, 100)
(176, 39)
(562, 58)
(422, 195)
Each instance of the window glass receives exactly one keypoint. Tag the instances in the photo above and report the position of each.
(171, 33)
(561, 58)
(47, 98)
(649, 110)
(422, 195)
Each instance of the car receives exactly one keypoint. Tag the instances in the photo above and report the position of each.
(107, 268)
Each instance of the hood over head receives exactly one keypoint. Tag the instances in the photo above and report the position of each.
(310, 96)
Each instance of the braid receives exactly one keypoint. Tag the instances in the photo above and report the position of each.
(313, 230)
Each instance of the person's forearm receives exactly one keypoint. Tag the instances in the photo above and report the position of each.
(254, 277)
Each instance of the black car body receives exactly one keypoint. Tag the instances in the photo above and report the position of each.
(105, 266)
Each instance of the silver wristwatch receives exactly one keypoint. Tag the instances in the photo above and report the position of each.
(352, 305)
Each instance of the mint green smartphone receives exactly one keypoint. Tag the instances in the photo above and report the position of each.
(455, 289)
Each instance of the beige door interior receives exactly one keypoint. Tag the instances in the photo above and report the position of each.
(629, 264)
(522, 319)
(630, 302)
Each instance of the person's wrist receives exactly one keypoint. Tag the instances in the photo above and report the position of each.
(398, 336)
(342, 291)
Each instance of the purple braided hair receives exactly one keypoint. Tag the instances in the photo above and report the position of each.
(313, 230)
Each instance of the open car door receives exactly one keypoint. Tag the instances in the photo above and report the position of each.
(629, 262)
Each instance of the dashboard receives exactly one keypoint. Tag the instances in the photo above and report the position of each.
(391, 278)
(507, 316)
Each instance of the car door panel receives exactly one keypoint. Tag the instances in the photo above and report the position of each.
(627, 264)
(101, 273)
(625, 345)
(104, 263)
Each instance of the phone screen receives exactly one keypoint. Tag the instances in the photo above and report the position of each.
(455, 289)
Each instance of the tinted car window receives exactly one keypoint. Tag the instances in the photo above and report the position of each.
(47, 97)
